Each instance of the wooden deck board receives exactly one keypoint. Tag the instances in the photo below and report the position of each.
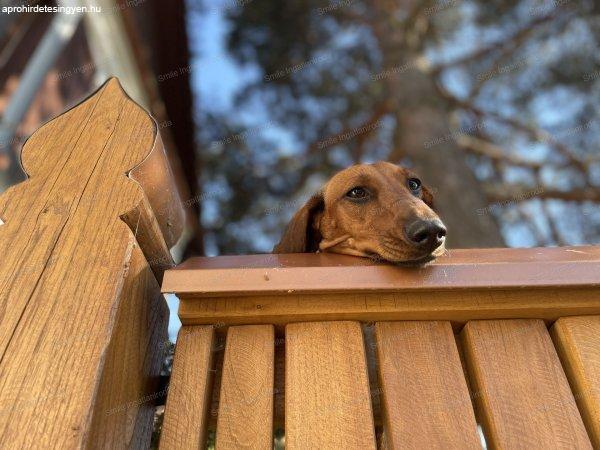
(245, 417)
(327, 398)
(520, 387)
(577, 340)
(426, 402)
(188, 400)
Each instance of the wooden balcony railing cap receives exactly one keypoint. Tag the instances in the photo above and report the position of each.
(500, 268)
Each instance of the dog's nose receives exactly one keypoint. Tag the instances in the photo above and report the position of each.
(426, 234)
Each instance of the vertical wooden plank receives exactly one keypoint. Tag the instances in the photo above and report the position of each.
(184, 425)
(426, 402)
(577, 340)
(246, 404)
(124, 406)
(327, 404)
(521, 389)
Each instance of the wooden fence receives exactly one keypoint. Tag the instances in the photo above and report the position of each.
(338, 352)
(345, 353)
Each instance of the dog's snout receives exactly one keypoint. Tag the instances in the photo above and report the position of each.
(426, 234)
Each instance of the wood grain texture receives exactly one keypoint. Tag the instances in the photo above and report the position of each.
(426, 402)
(521, 390)
(245, 417)
(577, 340)
(160, 187)
(124, 406)
(142, 222)
(327, 398)
(65, 256)
(188, 401)
(457, 306)
(497, 268)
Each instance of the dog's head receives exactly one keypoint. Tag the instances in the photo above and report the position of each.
(374, 210)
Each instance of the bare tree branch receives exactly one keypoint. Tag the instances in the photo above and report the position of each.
(502, 45)
(506, 54)
(514, 193)
(416, 25)
(485, 148)
(535, 133)
(556, 236)
(368, 126)
(529, 221)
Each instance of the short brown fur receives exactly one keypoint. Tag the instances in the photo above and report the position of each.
(329, 222)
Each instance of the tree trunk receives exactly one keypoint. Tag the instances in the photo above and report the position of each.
(425, 137)
(423, 119)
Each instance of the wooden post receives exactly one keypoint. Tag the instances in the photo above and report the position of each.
(82, 319)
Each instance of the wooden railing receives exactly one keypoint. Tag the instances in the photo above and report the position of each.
(345, 353)
(332, 351)
(82, 319)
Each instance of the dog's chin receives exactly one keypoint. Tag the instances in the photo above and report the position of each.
(418, 262)
(410, 260)
(396, 255)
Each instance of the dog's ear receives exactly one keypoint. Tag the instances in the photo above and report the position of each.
(427, 196)
(302, 234)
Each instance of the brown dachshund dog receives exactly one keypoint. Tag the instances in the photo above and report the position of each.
(376, 210)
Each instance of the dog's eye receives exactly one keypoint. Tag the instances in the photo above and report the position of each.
(357, 193)
(414, 184)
